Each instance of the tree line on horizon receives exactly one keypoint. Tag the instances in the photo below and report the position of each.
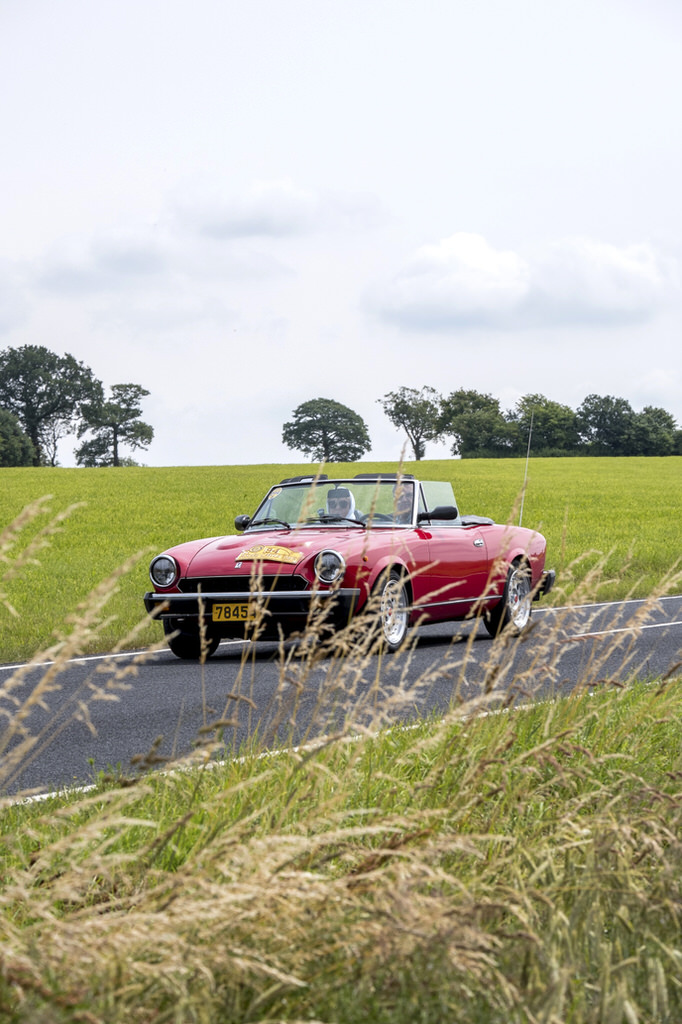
(45, 397)
(477, 427)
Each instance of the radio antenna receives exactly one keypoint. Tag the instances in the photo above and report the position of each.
(525, 475)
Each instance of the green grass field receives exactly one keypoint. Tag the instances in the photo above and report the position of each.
(626, 509)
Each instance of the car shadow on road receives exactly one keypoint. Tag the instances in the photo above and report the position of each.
(428, 637)
(431, 637)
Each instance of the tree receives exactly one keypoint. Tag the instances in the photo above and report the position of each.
(476, 424)
(15, 446)
(677, 442)
(554, 426)
(415, 412)
(653, 432)
(45, 392)
(327, 431)
(606, 425)
(113, 423)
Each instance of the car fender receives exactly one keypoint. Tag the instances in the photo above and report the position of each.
(531, 553)
(387, 562)
(184, 554)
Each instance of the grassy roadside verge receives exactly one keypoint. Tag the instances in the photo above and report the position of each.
(517, 866)
(622, 508)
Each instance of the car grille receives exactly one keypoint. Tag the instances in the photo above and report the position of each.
(240, 584)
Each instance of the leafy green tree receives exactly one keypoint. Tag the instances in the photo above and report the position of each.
(112, 424)
(606, 425)
(415, 412)
(45, 392)
(476, 424)
(677, 442)
(15, 446)
(653, 432)
(327, 431)
(554, 426)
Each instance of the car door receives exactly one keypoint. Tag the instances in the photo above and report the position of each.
(458, 570)
(459, 562)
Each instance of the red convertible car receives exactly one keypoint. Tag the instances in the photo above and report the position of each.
(387, 547)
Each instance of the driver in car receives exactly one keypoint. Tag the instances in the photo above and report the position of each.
(341, 504)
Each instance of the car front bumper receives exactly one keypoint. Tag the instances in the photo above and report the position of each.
(289, 610)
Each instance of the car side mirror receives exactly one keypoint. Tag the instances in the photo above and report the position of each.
(443, 512)
(241, 522)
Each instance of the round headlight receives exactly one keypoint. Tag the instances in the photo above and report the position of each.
(329, 566)
(163, 571)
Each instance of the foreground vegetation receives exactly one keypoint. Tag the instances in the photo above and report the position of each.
(514, 867)
(622, 508)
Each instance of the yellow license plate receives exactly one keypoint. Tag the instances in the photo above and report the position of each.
(232, 612)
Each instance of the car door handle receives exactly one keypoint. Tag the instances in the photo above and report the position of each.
(478, 543)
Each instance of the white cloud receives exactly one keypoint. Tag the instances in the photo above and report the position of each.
(268, 208)
(463, 282)
(271, 209)
(107, 261)
(200, 238)
(163, 312)
(580, 280)
(203, 262)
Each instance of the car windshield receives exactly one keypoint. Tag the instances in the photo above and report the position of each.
(353, 502)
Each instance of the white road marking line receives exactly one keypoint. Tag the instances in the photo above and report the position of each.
(625, 629)
(99, 657)
(71, 661)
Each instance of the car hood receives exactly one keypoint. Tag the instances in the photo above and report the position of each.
(278, 551)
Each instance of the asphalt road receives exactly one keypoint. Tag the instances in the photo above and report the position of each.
(130, 711)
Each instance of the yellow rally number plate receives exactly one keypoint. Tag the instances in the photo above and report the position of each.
(232, 612)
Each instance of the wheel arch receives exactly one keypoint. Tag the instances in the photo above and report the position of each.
(502, 614)
(520, 556)
(388, 564)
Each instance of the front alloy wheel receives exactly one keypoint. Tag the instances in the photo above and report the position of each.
(513, 610)
(393, 611)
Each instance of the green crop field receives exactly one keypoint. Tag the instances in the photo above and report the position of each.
(627, 510)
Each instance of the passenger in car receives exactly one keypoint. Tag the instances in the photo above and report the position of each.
(402, 498)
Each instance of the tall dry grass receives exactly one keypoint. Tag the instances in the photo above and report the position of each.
(507, 860)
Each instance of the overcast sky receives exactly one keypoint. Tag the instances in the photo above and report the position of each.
(245, 205)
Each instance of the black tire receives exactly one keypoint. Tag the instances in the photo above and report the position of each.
(393, 603)
(513, 611)
(186, 644)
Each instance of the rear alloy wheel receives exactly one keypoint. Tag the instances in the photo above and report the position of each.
(513, 611)
(187, 643)
(393, 611)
